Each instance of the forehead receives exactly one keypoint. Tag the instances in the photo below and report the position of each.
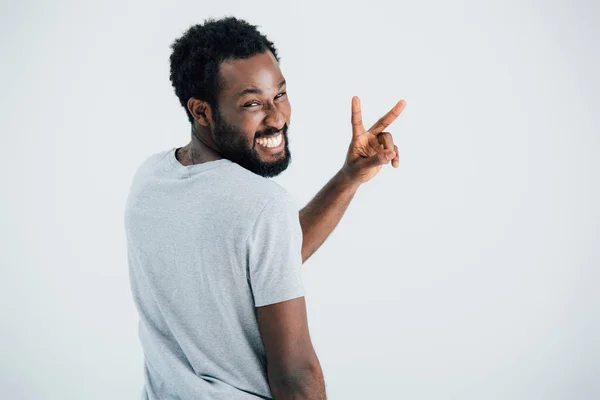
(260, 71)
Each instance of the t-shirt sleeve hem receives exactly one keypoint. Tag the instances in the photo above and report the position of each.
(278, 299)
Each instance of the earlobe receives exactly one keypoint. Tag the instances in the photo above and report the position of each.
(200, 110)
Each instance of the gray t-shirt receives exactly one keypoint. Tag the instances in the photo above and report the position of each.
(207, 243)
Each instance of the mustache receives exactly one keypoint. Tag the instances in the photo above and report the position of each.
(271, 132)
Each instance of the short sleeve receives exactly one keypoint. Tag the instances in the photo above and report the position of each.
(274, 249)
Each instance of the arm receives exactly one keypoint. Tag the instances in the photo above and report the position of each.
(368, 152)
(293, 369)
(322, 214)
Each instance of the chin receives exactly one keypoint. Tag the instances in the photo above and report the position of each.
(273, 168)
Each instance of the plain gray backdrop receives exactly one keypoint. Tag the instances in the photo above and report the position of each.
(471, 272)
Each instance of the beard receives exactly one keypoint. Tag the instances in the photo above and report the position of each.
(233, 146)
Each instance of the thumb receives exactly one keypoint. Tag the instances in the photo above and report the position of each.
(381, 158)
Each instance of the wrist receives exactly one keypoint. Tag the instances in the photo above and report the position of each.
(345, 180)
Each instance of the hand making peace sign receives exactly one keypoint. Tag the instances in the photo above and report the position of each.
(370, 150)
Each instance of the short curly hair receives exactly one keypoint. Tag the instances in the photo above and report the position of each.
(197, 55)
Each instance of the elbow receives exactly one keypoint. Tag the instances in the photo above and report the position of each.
(306, 382)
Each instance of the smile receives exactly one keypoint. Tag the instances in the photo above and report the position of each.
(272, 144)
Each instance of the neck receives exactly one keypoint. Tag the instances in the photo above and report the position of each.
(199, 150)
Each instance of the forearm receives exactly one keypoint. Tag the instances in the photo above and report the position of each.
(322, 214)
(302, 385)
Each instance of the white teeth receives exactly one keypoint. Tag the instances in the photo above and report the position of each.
(270, 142)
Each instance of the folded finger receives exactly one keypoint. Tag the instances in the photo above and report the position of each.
(396, 160)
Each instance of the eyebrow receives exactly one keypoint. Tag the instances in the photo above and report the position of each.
(257, 91)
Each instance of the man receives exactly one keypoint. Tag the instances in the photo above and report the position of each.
(215, 248)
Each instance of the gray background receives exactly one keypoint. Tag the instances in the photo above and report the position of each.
(470, 272)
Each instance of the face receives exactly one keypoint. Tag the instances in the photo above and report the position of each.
(253, 115)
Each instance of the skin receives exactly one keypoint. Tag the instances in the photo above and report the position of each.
(264, 105)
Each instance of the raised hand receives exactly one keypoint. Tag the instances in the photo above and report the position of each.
(370, 149)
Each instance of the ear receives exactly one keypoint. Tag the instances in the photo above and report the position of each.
(201, 111)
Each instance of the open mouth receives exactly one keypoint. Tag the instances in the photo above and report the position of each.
(272, 144)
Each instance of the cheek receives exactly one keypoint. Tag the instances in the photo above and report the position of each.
(249, 127)
(286, 109)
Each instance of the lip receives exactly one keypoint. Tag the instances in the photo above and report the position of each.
(273, 150)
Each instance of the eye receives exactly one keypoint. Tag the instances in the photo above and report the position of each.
(251, 104)
(281, 95)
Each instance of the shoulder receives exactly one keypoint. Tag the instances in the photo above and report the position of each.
(261, 203)
(151, 163)
(257, 189)
(146, 168)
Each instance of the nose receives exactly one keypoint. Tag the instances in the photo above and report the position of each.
(275, 118)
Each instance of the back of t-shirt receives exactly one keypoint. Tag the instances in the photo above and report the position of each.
(207, 243)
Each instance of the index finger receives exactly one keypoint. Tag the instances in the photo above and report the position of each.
(357, 124)
(388, 118)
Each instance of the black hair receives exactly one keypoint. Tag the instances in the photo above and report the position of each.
(197, 55)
